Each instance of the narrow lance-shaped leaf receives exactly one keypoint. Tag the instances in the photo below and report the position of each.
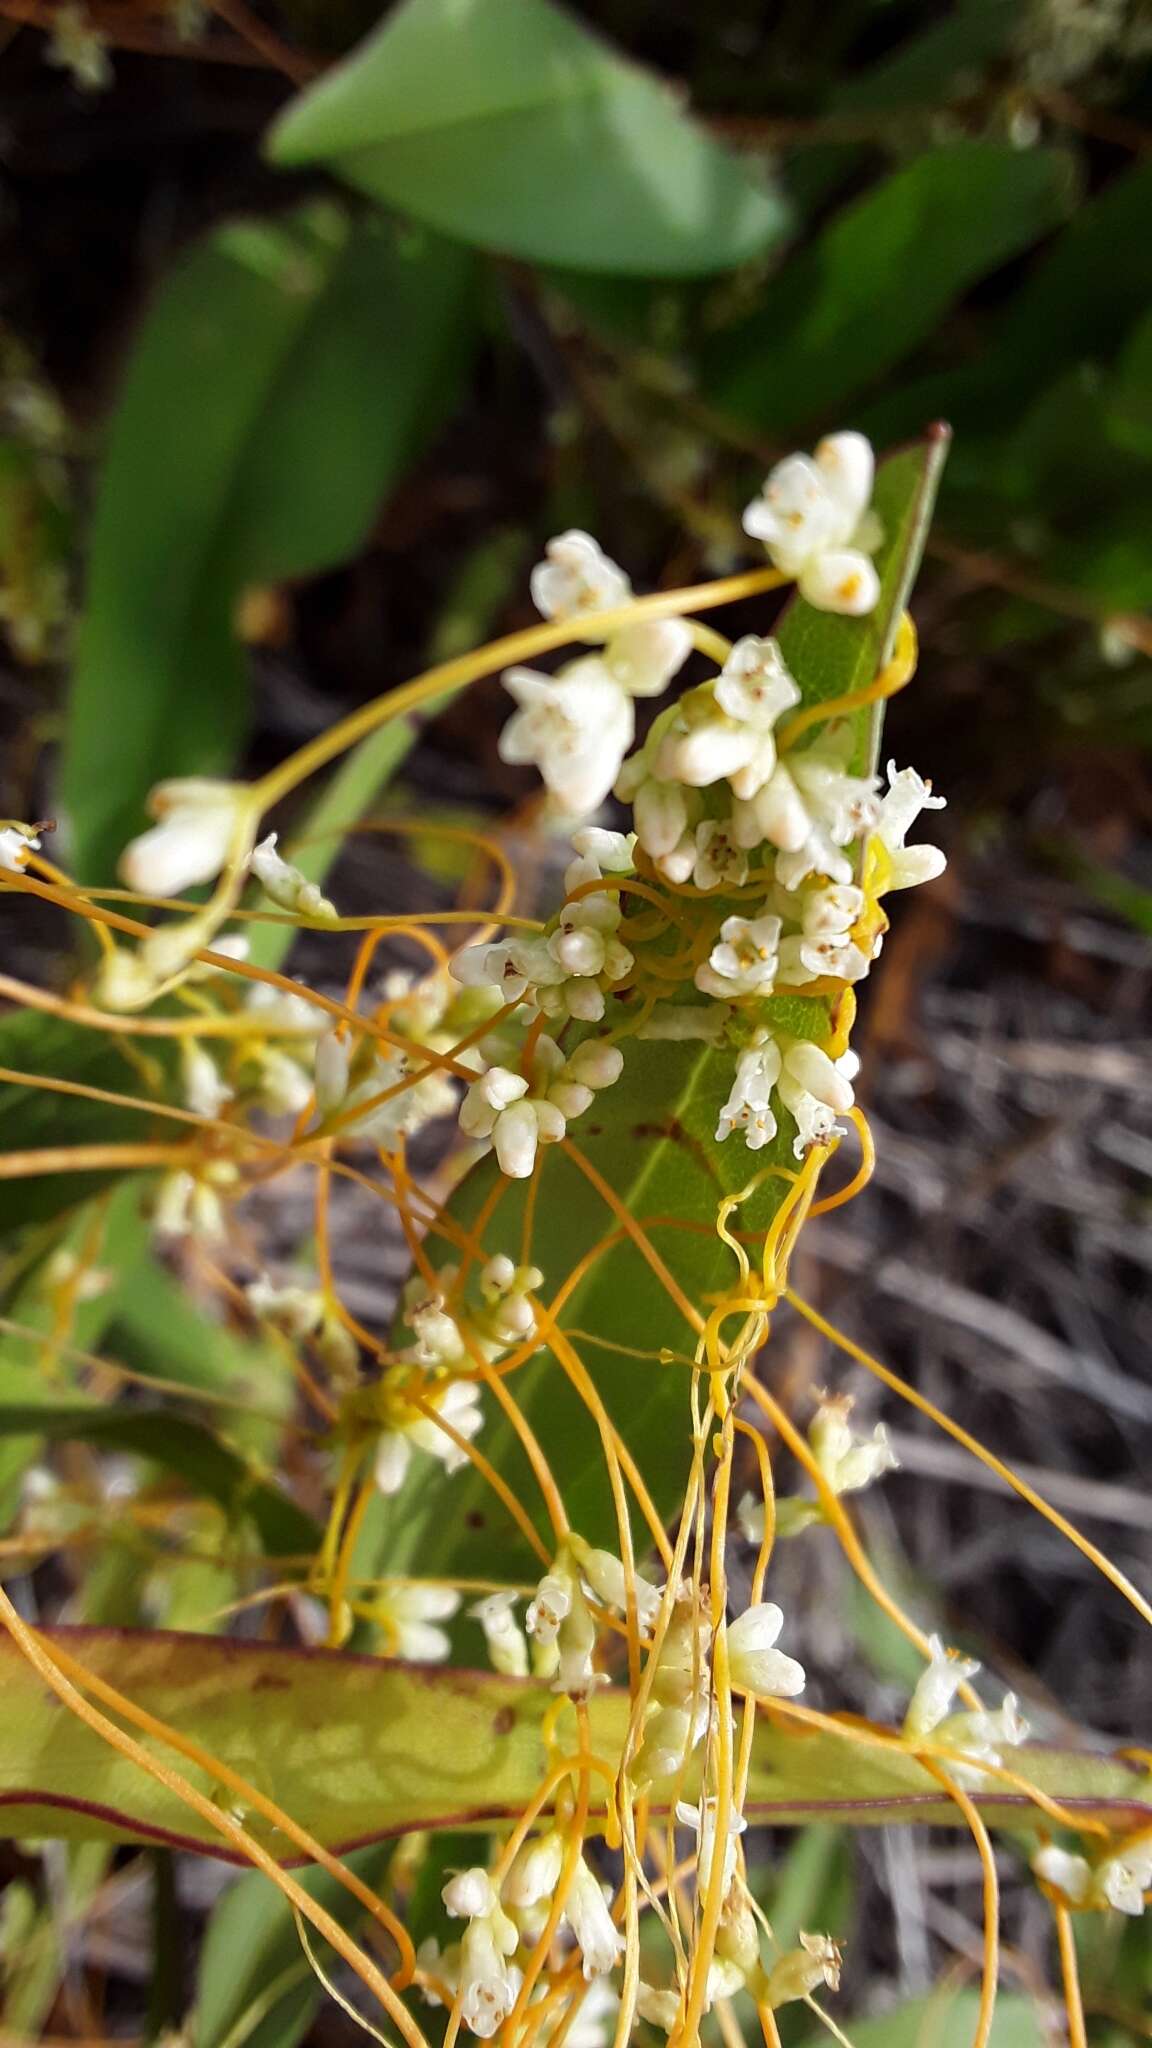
(285, 374)
(358, 1748)
(877, 280)
(508, 124)
(652, 1140)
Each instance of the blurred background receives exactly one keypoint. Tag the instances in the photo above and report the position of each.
(281, 424)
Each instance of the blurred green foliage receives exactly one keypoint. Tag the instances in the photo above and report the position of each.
(915, 212)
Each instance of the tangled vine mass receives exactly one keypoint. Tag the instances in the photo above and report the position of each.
(732, 918)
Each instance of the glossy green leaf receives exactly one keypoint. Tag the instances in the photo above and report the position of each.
(878, 279)
(254, 1984)
(201, 1459)
(358, 1748)
(947, 2020)
(653, 1142)
(507, 124)
(282, 379)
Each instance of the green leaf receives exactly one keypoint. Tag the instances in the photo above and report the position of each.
(358, 1748)
(207, 1465)
(366, 771)
(507, 124)
(282, 379)
(653, 1142)
(34, 1119)
(1075, 306)
(255, 1984)
(878, 279)
(946, 2020)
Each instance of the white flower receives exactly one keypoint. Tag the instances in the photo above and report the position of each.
(576, 727)
(727, 728)
(984, 1734)
(489, 1985)
(847, 1462)
(497, 1107)
(830, 912)
(824, 944)
(441, 1963)
(506, 1291)
(598, 1938)
(612, 852)
(205, 1089)
(808, 514)
(908, 795)
(517, 1116)
(511, 968)
(197, 821)
(285, 885)
(748, 1106)
(755, 1665)
(1122, 1878)
(604, 1574)
(936, 1688)
(409, 1612)
(719, 861)
(816, 1090)
(469, 1895)
(803, 1970)
(535, 1870)
(282, 1084)
(659, 2006)
(1069, 1875)
(16, 843)
(643, 659)
(459, 1404)
(660, 806)
(755, 684)
(551, 1606)
(743, 962)
(298, 1311)
(670, 1736)
(577, 577)
(702, 1819)
(507, 1649)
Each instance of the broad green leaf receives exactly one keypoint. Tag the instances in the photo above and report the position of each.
(357, 1748)
(507, 124)
(254, 1984)
(652, 1140)
(878, 279)
(285, 374)
(207, 1465)
(947, 2020)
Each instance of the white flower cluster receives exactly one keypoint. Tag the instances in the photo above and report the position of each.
(439, 1365)
(351, 1079)
(723, 806)
(578, 725)
(978, 1734)
(813, 516)
(1119, 1879)
(846, 1462)
(480, 1970)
